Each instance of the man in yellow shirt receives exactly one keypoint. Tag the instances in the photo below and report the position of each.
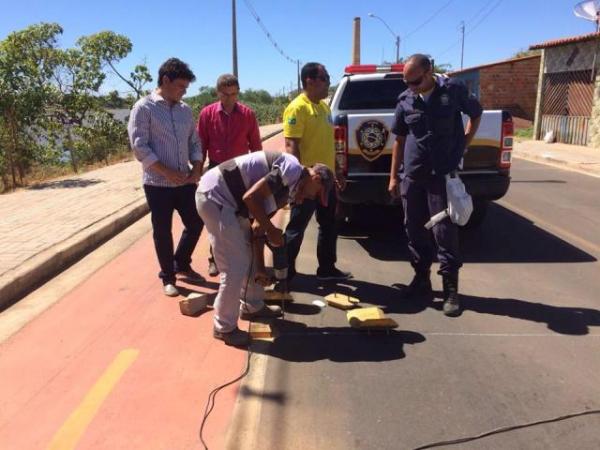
(308, 136)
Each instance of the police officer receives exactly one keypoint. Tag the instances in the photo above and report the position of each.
(431, 141)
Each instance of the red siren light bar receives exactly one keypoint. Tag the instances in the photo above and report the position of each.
(373, 68)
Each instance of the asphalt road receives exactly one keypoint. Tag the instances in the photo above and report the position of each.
(527, 347)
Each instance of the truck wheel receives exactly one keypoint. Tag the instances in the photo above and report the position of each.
(480, 208)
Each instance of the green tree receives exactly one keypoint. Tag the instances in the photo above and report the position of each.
(27, 61)
(110, 47)
(523, 53)
(78, 77)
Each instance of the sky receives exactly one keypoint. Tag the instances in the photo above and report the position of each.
(199, 32)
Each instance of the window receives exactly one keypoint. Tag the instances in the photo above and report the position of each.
(372, 94)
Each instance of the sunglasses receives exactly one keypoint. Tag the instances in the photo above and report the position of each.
(324, 78)
(416, 82)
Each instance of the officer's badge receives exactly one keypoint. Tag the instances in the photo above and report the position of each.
(444, 99)
(371, 137)
(292, 121)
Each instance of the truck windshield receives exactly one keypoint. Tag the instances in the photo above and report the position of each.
(372, 94)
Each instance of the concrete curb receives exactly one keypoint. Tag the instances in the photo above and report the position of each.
(271, 134)
(17, 283)
(548, 160)
(34, 272)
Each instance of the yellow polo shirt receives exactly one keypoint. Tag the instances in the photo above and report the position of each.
(311, 123)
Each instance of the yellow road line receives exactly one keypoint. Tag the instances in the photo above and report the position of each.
(560, 232)
(69, 434)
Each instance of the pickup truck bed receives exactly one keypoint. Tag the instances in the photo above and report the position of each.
(363, 113)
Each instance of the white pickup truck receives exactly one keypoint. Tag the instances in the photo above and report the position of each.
(362, 110)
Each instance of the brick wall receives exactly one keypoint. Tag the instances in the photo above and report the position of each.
(511, 86)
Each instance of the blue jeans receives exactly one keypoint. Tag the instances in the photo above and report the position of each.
(163, 201)
(327, 239)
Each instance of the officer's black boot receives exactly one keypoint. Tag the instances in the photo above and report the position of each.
(451, 299)
(419, 287)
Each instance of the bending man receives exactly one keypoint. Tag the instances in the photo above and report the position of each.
(250, 186)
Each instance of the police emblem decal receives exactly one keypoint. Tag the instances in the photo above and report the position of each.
(371, 137)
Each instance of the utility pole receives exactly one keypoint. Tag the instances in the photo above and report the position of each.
(462, 51)
(396, 37)
(234, 38)
(298, 74)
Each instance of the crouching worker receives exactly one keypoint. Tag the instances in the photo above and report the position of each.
(252, 186)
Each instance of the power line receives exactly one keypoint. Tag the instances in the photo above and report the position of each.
(483, 8)
(479, 22)
(267, 33)
(433, 16)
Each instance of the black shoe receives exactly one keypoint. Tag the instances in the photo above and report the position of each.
(333, 274)
(266, 312)
(452, 307)
(419, 287)
(213, 271)
(235, 338)
(192, 275)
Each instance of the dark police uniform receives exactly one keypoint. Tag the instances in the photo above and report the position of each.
(435, 143)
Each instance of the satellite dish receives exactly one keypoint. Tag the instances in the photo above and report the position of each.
(589, 10)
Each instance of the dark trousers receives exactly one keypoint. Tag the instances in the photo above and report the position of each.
(327, 239)
(162, 202)
(422, 199)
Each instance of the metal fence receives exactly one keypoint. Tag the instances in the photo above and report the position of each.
(568, 93)
(567, 129)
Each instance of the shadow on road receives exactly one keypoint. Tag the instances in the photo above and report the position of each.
(297, 342)
(560, 319)
(504, 237)
(539, 181)
(569, 320)
(65, 184)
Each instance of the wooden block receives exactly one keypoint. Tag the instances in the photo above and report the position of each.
(193, 304)
(260, 330)
(370, 318)
(341, 301)
(272, 295)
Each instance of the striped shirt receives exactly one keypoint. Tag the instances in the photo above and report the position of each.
(164, 133)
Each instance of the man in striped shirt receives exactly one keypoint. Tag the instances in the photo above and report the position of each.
(164, 139)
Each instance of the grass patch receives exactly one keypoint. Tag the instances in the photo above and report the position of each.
(523, 134)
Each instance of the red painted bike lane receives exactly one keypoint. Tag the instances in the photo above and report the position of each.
(51, 367)
(115, 365)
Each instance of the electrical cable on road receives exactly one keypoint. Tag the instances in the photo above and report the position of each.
(210, 403)
(506, 429)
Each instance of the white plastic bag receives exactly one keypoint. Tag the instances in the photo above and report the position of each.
(460, 203)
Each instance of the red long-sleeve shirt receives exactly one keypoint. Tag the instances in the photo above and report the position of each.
(225, 136)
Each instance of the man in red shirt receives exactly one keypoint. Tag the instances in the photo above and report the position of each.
(227, 129)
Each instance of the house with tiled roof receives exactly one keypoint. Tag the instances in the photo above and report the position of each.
(568, 80)
(510, 85)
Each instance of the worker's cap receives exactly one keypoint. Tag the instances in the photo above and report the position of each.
(327, 181)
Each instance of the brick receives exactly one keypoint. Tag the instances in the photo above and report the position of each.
(193, 304)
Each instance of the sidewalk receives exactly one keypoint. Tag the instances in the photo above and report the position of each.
(575, 157)
(47, 227)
